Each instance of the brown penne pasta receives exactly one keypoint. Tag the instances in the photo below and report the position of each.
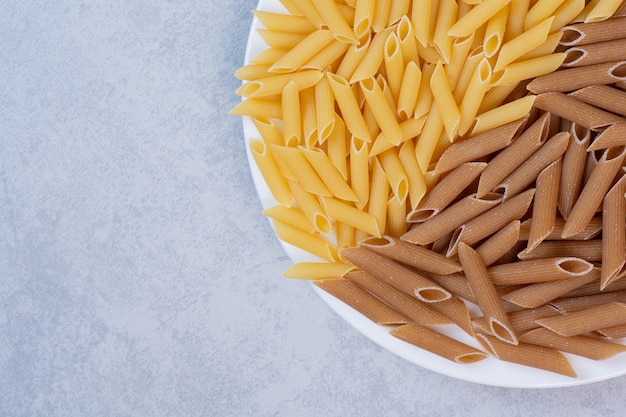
(437, 343)
(493, 248)
(591, 231)
(613, 136)
(603, 96)
(585, 346)
(362, 301)
(596, 53)
(587, 320)
(413, 255)
(613, 232)
(569, 304)
(538, 270)
(395, 274)
(586, 33)
(589, 250)
(573, 169)
(457, 311)
(545, 204)
(571, 79)
(576, 111)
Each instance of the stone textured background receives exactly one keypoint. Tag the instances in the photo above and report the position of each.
(137, 277)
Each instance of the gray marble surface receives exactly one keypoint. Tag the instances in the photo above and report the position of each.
(137, 277)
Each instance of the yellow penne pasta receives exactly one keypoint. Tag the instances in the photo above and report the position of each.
(473, 95)
(335, 21)
(270, 172)
(394, 64)
(408, 42)
(382, 112)
(391, 164)
(495, 31)
(300, 168)
(359, 170)
(426, 143)
(301, 53)
(442, 94)
(476, 17)
(373, 57)
(270, 133)
(409, 89)
(378, 195)
(308, 116)
(517, 15)
(363, 17)
(523, 43)
(292, 121)
(318, 270)
(330, 175)
(396, 216)
(290, 215)
(446, 16)
(541, 10)
(309, 11)
(565, 14)
(324, 110)
(527, 69)
(311, 208)
(502, 115)
(274, 84)
(284, 22)
(348, 214)
(417, 182)
(310, 243)
(337, 147)
(603, 10)
(258, 107)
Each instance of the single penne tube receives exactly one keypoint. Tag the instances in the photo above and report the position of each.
(509, 159)
(594, 190)
(359, 170)
(565, 14)
(461, 48)
(570, 108)
(495, 31)
(382, 112)
(486, 295)
(410, 129)
(396, 216)
(446, 16)
(603, 10)
(275, 84)
(589, 250)
(456, 309)
(258, 107)
(399, 8)
(345, 236)
(545, 204)
(301, 53)
(421, 20)
(497, 95)
(613, 136)
(267, 57)
(269, 131)
(393, 273)
(308, 117)
(290, 215)
(450, 218)
(292, 121)
(378, 195)
(413, 255)
(539, 270)
(498, 244)
(276, 39)
(363, 17)
(409, 89)
(390, 161)
(523, 319)
(417, 182)
(311, 208)
(394, 64)
(523, 43)
(503, 114)
(330, 175)
(491, 221)
(571, 79)
(373, 57)
(596, 53)
(539, 294)
(301, 169)
(478, 146)
(468, 70)
(446, 191)
(523, 176)
(438, 343)
(528, 69)
(526, 354)
(287, 22)
(381, 15)
(594, 288)
(616, 332)
(348, 106)
(337, 147)
(308, 242)
(456, 284)
(348, 214)
(569, 304)
(318, 270)
(613, 232)
(621, 11)
(271, 173)
(589, 319)
(324, 110)
(252, 72)
(476, 17)
(541, 10)
(353, 57)
(362, 301)
(586, 33)
(442, 94)
(585, 346)
(604, 97)
(409, 306)
(428, 139)
(517, 15)
(573, 170)
(473, 95)
(546, 48)
(332, 17)
(592, 230)
(407, 39)
(424, 99)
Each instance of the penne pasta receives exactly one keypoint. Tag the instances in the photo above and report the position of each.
(330, 176)
(502, 115)
(589, 250)
(409, 88)
(574, 161)
(473, 95)
(394, 65)
(545, 204)
(363, 17)
(408, 42)
(302, 171)
(569, 304)
(421, 13)
(332, 17)
(539, 270)
(373, 57)
(270, 172)
(348, 214)
(446, 16)
(442, 95)
(337, 147)
(589, 319)
(613, 232)
(612, 137)
(585, 346)
(311, 208)
(317, 270)
(493, 248)
(523, 43)
(382, 112)
(359, 170)
(276, 39)
(258, 108)
(591, 231)
(603, 10)
(417, 183)
(571, 79)
(292, 120)
(541, 10)
(596, 53)
(528, 69)
(523, 319)
(378, 195)
(308, 242)
(291, 216)
(494, 33)
(476, 17)
(604, 97)
(324, 110)
(396, 215)
(586, 33)
(291, 22)
(296, 57)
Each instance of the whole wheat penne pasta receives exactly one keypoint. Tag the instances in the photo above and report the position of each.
(493, 248)
(594, 287)
(503, 114)
(373, 58)
(613, 136)
(536, 295)
(456, 284)
(349, 107)
(348, 214)
(292, 122)
(596, 53)
(571, 79)
(417, 183)
(539, 270)
(476, 17)
(589, 319)
(586, 33)
(528, 69)
(621, 11)
(332, 17)
(594, 190)
(308, 116)
(494, 33)
(287, 22)
(409, 89)
(523, 43)
(258, 107)
(410, 129)
(438, 343)
(457, 311)
(362, 301)
(603, 10)
(302, 52)
(528, 355)
(604, 97)
(442, 94)
(589, 250)
(359, 170)
(291, 216)
(428, 139)
(509, 159)
(396, 275)
(541, 10)
(569, 304)
(485, 293)
(311, 207)
(446, 191)
(308, 242)
(545, 204)
(276, 39)
(394, 64)
(413, 255)
(491, 221)
(390, 161)
(318, 270)
(523, 319)
(301, 170)
(613, 232)
(592, 230)
(616, 332)
(446, 16)
(382, 112)
(478, 146)
(585, 346)
(450, 218)
(416, 310)
(552, 150)
(271, 173)
(330, 175)
(574, 161)
(473, 95)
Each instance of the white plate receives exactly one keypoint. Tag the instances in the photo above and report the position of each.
(489, 371)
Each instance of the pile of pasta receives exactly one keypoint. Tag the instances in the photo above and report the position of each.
(452, 163)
